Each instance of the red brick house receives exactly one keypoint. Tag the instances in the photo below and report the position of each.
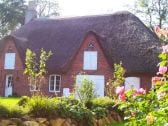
(90, 44)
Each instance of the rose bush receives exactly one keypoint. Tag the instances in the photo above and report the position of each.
(150, 108)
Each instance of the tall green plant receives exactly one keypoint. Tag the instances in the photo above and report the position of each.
(116, 80)
(34, 69)
(86, 91)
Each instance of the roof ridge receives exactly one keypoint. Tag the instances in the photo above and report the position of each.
(84, 16)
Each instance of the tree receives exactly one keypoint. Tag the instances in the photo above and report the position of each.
(154, 12)
(36, 70)
(47, 8)
(11, 15)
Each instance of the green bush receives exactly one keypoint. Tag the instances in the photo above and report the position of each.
(86, 91)
(23, 101)
(12, 111)
(41, 106)
(103, 102)
(81, 113)
(100, 112)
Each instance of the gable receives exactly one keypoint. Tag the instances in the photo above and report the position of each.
(90, 43)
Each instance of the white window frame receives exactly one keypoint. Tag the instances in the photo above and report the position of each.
(85, 67)
(54, 83)
(10, 67)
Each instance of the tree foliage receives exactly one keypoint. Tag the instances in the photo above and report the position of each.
(154, 12)
(34, 69)
(116, 80)
(11, 15)
(47, 8)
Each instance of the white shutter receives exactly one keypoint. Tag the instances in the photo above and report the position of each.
(90, 60)
(9, 61)
(132, 82)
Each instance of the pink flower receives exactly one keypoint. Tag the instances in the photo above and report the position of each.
(162, 70)
(120, 90)
(141, 91)
(165, 49)
(122, 97)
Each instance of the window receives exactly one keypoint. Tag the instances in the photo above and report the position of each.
(54, 83)
(132, 82)
(90, 60)
(9, 61)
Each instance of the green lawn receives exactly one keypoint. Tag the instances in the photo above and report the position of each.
(9, 100)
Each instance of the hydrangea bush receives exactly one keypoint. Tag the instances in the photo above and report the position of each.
(150, 108)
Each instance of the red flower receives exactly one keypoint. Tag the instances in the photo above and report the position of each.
(122, 97)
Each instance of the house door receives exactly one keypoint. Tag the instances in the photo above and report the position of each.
(98, 81)
(8, 85)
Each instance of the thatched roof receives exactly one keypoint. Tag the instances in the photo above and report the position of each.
(122, 36)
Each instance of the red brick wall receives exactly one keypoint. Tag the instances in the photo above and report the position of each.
(20, 86)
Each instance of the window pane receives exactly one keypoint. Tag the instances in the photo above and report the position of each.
(52, 87)
(52, 78)
(57, 78)
(57, 85)
(9, 61)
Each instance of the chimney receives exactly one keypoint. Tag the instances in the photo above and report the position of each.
(31, 12)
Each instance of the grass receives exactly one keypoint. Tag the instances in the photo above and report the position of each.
(9, 100)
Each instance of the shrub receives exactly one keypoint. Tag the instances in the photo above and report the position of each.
(23, 101)
(41, 106)
(103, 102)
(12, 111)
(82, 114)
(72, 108)
(100, 112)
(86, 91)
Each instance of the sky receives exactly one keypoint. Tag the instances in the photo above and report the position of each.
(92, 7)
